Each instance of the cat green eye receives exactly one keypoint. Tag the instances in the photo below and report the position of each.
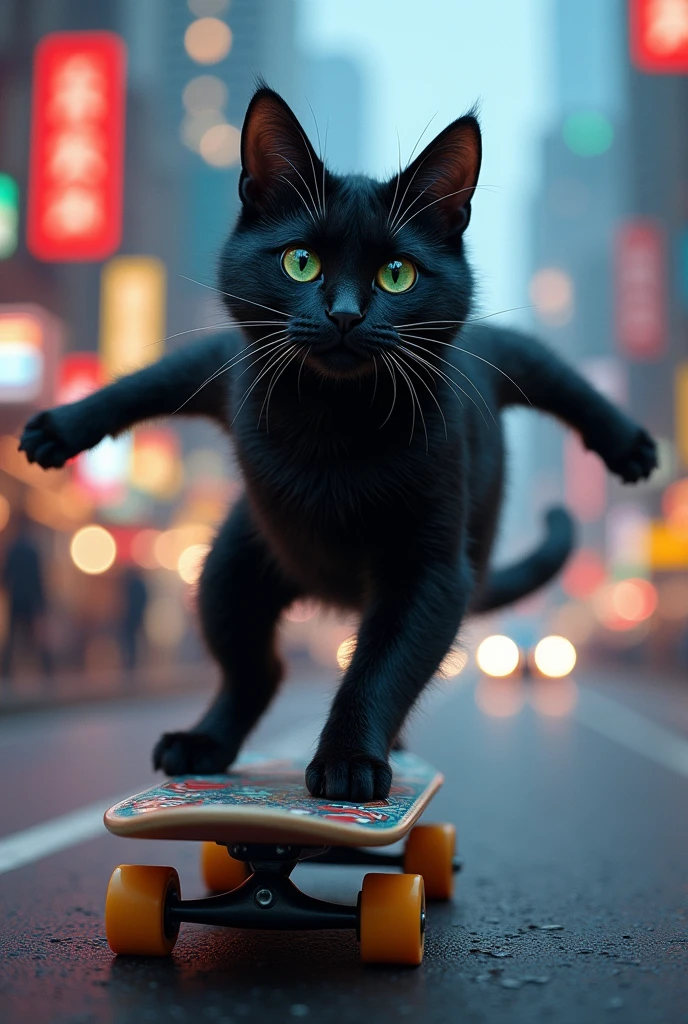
(396, 276)
(301, 264)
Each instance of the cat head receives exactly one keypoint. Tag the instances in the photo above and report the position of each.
(336, 265)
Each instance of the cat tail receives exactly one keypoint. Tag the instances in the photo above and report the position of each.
(504, 586)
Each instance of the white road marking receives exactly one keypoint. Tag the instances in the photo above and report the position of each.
(39, 841)
(635, 732)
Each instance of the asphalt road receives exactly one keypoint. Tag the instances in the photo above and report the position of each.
(570, 804)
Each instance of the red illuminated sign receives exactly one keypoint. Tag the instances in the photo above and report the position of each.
(77, 146)
(659, 35)
(80, 374)
(640, 299)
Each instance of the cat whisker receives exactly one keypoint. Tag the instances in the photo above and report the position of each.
(408, 163)
(310, 157)
(428, 389)
(406, 338)
(441, 375)
(322, 154)
(397, 216)
(251, 350)
(414, 401)
(240, 298)
(394, 385)
(372, 400)
(306, 185)
(274, 358)
(472, 320)
(466, 351)
(272, 347)
(214, 327)
(273, 381)
(468, 188)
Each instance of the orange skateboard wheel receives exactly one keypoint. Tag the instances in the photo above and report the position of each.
(392, 919)
(429, 852)
(135, 910)
(221, 873)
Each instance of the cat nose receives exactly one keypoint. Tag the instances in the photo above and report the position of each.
(344, 320)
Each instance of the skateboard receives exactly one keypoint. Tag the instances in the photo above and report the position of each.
(256, 823)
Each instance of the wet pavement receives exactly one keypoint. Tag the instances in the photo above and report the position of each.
(572, 906)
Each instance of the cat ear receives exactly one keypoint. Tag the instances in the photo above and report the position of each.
(443, 177)
(274, 151)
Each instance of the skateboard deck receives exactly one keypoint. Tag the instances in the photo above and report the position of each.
(264, 800)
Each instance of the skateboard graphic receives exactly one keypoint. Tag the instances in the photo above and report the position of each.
(256, 823)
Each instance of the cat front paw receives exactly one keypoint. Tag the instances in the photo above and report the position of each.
(637, 460)
(52, 437)
(191, 753)
(358, 778)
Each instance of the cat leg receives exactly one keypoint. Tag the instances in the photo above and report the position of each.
(241, 596)
(55, 435)
(540, 378)
(402, 640)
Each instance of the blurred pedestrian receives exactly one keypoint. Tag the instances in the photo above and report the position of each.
(134, 602)
(22, 578)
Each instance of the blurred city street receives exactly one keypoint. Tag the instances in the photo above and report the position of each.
(571, 905)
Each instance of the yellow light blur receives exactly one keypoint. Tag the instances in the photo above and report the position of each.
(156, 467)
(4, 511)
(191, 561)
(220, 146)
(208, 40)
(497, 656)
(196, 124)
(453, 664)
(93, 549)
(345, 651)
(168, 545)
(668, 548)
(551, 291)
(132, 313)
(555, 656)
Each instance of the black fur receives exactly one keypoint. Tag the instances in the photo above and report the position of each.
(355, 492)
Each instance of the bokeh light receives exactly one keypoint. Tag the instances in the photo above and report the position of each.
(345, 651)
(554, 656)
(498, 656)
(206, 92)
(208, 40)
(93, 550)
(220, 146)
(142, 548)
(584, 574)
(190, 562)
(168, 545)
(551, 291)
(623, 605)
(673, 599)
(194, 126)
(453, 664)
(675, 504)
(588, 133)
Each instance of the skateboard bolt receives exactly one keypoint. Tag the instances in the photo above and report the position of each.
(264, 898)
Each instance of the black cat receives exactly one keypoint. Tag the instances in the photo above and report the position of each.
(364, 406)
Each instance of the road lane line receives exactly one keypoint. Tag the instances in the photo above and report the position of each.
(48, 837)
(631, 730)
